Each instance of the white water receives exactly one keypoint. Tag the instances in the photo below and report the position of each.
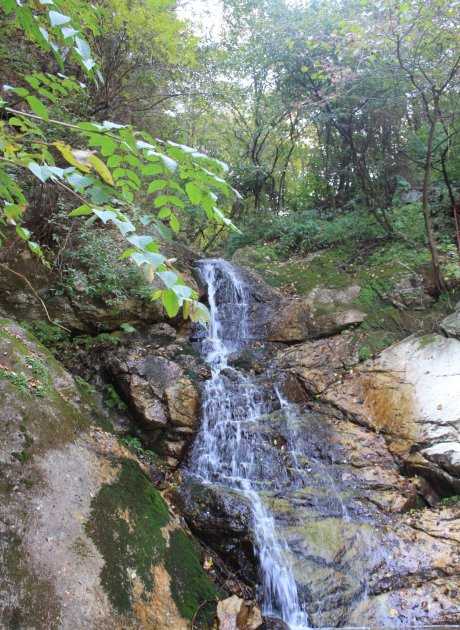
(224, 452)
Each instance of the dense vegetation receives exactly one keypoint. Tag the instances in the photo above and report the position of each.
(339, 122)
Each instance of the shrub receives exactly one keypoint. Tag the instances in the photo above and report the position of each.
(93, 268)
(307, 231)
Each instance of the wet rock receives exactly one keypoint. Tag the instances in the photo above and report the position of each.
(221, 518)
(234, 613)
(86, 539)
(270, 623)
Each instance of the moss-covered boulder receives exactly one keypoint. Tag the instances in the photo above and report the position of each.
(86, 541)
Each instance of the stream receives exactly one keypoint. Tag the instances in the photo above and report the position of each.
(227, 450)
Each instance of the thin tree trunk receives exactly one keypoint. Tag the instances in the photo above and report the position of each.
(437, 275)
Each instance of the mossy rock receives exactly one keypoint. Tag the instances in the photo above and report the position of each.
(87, 541)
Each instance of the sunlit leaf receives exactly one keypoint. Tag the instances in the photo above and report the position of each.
(101, 169)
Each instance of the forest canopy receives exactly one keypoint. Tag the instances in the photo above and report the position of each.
(297, 126)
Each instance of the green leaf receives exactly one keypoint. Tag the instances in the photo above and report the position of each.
(105, 215)
(113, 161)
(171, 302)
(81, 211)
(128, 253)
(83, 48)
(199, 312)
(37, 107)
(38, 171)
(164, 213)
(13, 211)
(133, 177)
(152, 169)
(106, 143)
(35, 248)
(193, 193)
(22, 233)
(169, 278)
(157, 184)
(174, 224)
(127, 328)
(164, 200)
(21, 91)
(140, 240)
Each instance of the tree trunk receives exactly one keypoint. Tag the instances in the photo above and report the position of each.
(437, 275)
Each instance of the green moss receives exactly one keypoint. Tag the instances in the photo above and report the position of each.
(305, 274)
(85, 388)
(125, 524)
(112, 400)
(451, 501)
(426, 340)
(87, 341)
(190, 586)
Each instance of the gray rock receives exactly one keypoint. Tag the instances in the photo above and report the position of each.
(410, 292)
(450, 325)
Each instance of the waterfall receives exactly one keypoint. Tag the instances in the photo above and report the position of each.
(225, 451)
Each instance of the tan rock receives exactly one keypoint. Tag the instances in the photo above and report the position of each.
(183, 403)
(299, 320)
(320, 363)
(234, 613)
(411, 393)
(68, 490)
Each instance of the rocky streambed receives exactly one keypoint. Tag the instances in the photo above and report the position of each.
(357, 462)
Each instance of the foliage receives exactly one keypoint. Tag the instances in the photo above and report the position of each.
(135, 445)
(316, 114)
(113, 401)
(117, 174)
(51, 336)
(93, 268)
(146, 55)
(308, 231)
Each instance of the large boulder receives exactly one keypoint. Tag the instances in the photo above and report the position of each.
(410, 292)
(320, 363)
(296, 320)
(86, 539)
(411, 394)
(158, 381)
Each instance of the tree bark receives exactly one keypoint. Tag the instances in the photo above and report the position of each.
(437, 275)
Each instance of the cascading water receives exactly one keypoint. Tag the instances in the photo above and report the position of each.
(225, 452)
